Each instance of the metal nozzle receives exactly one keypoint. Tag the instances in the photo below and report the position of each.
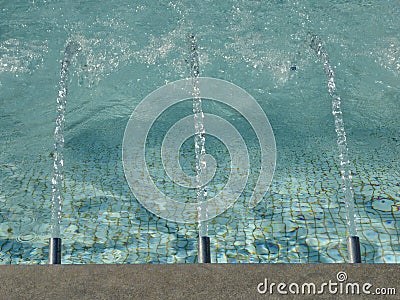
(204, 250)
(353, 246)
(54, 251)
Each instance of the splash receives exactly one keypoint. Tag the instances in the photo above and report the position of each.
(20, 57)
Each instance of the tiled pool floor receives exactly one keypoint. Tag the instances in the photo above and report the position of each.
(301, 219)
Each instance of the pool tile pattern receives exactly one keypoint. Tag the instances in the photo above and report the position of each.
(301, 219)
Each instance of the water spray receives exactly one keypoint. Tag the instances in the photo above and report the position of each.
(353, 241)
(58, 176)
(199, 141)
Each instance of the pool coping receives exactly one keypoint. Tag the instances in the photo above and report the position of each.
(191, 281)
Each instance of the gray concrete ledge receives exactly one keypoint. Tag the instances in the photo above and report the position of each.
(190, 281)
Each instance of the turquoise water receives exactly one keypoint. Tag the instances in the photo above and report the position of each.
(129, 49)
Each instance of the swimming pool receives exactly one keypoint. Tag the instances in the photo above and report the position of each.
(131, 48)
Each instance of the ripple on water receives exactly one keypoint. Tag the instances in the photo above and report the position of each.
(20, 225)
(112, 256)
(26, 238)
(334, 252)
(17, 219)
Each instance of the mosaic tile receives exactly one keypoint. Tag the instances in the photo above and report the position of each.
(301, 218)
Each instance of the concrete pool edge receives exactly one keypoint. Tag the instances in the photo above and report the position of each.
(192, 281)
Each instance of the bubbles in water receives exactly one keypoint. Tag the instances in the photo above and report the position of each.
(389, 57)
(17, 56)
(102, 56)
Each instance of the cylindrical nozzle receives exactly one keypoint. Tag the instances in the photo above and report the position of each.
(353, 246)
(55, 251)
(204, 250)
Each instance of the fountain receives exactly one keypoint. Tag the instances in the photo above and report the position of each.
(199, 141)
(353, 242)
(57, 181)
